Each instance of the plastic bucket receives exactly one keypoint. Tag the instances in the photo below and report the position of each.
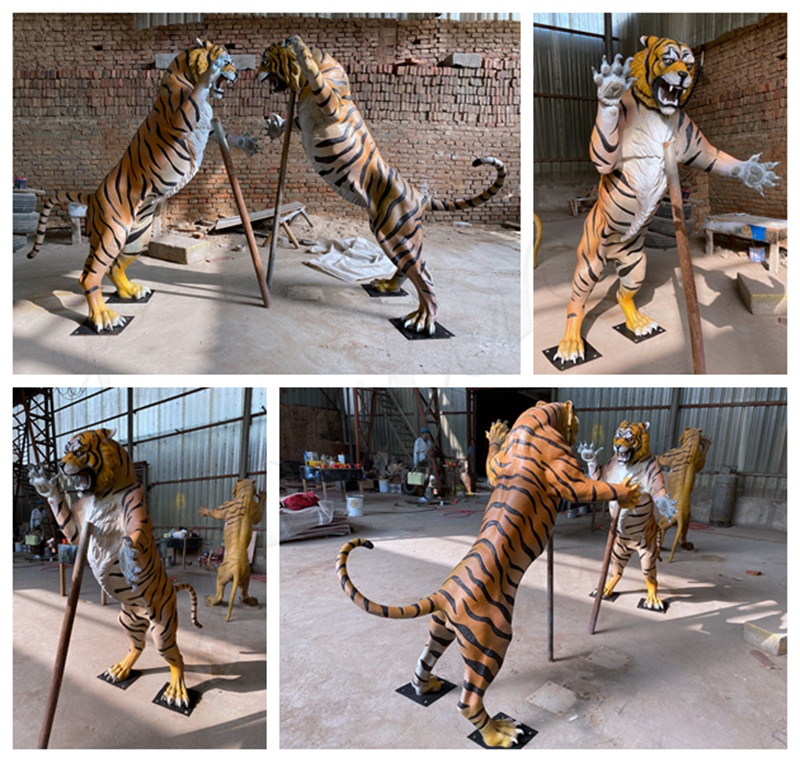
(383, 485)
(355, 505)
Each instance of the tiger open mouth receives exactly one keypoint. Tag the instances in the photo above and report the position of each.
(667, 95)
(85, 479)
(276, 84)
(228, 77)
(623, 454)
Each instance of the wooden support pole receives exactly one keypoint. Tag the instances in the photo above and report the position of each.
(281, 179)
(685, 258)
(64, 638)
(598, 595)
(219, 132)
(550, 646)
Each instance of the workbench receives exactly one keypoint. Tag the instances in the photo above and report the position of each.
(325, 476)
(759, 229)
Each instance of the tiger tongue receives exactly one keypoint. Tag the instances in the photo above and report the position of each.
(668, 94)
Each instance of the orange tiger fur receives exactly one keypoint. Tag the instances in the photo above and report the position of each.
(531, 468)
(122, 552)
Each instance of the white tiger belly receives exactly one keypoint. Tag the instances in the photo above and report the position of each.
(197, 142)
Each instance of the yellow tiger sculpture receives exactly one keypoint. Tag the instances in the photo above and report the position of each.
(122, 553)
(682, 463)
(637, 525)
(239, 514)
(342, 150)
(162, 158)
(640, 107)
(531, 467)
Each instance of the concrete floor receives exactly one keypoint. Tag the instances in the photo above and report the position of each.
(208, 318)
(735, 341)
(226, 663)
(684, 679)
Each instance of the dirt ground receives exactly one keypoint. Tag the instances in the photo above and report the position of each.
(208, 317)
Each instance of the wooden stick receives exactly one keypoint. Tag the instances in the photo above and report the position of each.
(685, 257)
(598, 595)
(550, 613)
(64, 638)
(237, 194)
(281, 178)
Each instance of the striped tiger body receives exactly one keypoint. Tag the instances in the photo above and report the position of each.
(122, 552)
(164, 155)
(239, 516)
(636, 525)
(342, 150)
(640, 108)
(681, 465)
(531, 468)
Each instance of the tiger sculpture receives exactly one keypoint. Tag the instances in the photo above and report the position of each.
(640, 107)
(531, 467)
(636, 525)
(342, 150)
(164, 155)
(681, 465)
(239, 515)
(122, 552)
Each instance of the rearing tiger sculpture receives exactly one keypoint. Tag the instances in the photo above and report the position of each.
(342, 150)
(640, 107)
(531, 468)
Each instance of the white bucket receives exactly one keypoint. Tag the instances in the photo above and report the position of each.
(383, 485)
(355, 505)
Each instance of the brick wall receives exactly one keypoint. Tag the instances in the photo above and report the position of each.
(84, 82)
(740, 104)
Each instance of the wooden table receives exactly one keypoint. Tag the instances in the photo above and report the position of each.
(760, 229)
(325, 475)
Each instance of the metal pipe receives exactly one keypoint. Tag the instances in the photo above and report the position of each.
(281, 178)
(245, 442)
(598, 596)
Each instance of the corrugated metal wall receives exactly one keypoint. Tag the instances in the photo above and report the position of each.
(565, 99)
(191, 440)
(748, 427)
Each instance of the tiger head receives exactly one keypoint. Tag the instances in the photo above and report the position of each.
(568, 420)
(244, 490)
(206, 55)
(95, 461)
(279, 67)
(691, 437)
(632, 442)
(665, 74)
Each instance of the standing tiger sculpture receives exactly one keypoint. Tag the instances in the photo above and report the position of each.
(239, 515)
(640, 107)
(636, 525)
(163, 157)
(681, 465)
(122, 552)
(531, 468)
(342, 150)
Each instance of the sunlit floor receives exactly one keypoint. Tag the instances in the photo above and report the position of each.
(225, 663)
(684, 679)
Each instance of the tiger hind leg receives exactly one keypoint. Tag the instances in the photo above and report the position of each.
(631, 270)
(439, 638)
(483, 662)
(164, 629)
(137, 241)
(135, 626)
(648, 556)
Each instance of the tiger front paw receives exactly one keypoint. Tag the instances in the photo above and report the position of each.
(497, 433)
(105, 319)
(422, 320)
(132, 290)
(44, 485)
(757, 174)
(613, 80)
(501, 733)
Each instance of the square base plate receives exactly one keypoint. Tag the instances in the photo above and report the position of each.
(194, 699)
(522, 739)
(655, 611)
(87, 329)
(372, 291)
(425, 699)
(122, 684)
(440, 333)
(628, 334)
(611, 598)
(589, 354)
(116, 299)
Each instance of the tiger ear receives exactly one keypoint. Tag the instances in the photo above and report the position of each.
(647, 40)
(106, 433)
(646, 425)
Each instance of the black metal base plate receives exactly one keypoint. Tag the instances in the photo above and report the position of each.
(425, 699)
(194, 699)
(589, 354)
(440, 333)
(116, 299)
(655, 611)
(122, 684)
(372, 291)
(629, 334)
(611, 598)
(522, 739)
(86, 328)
